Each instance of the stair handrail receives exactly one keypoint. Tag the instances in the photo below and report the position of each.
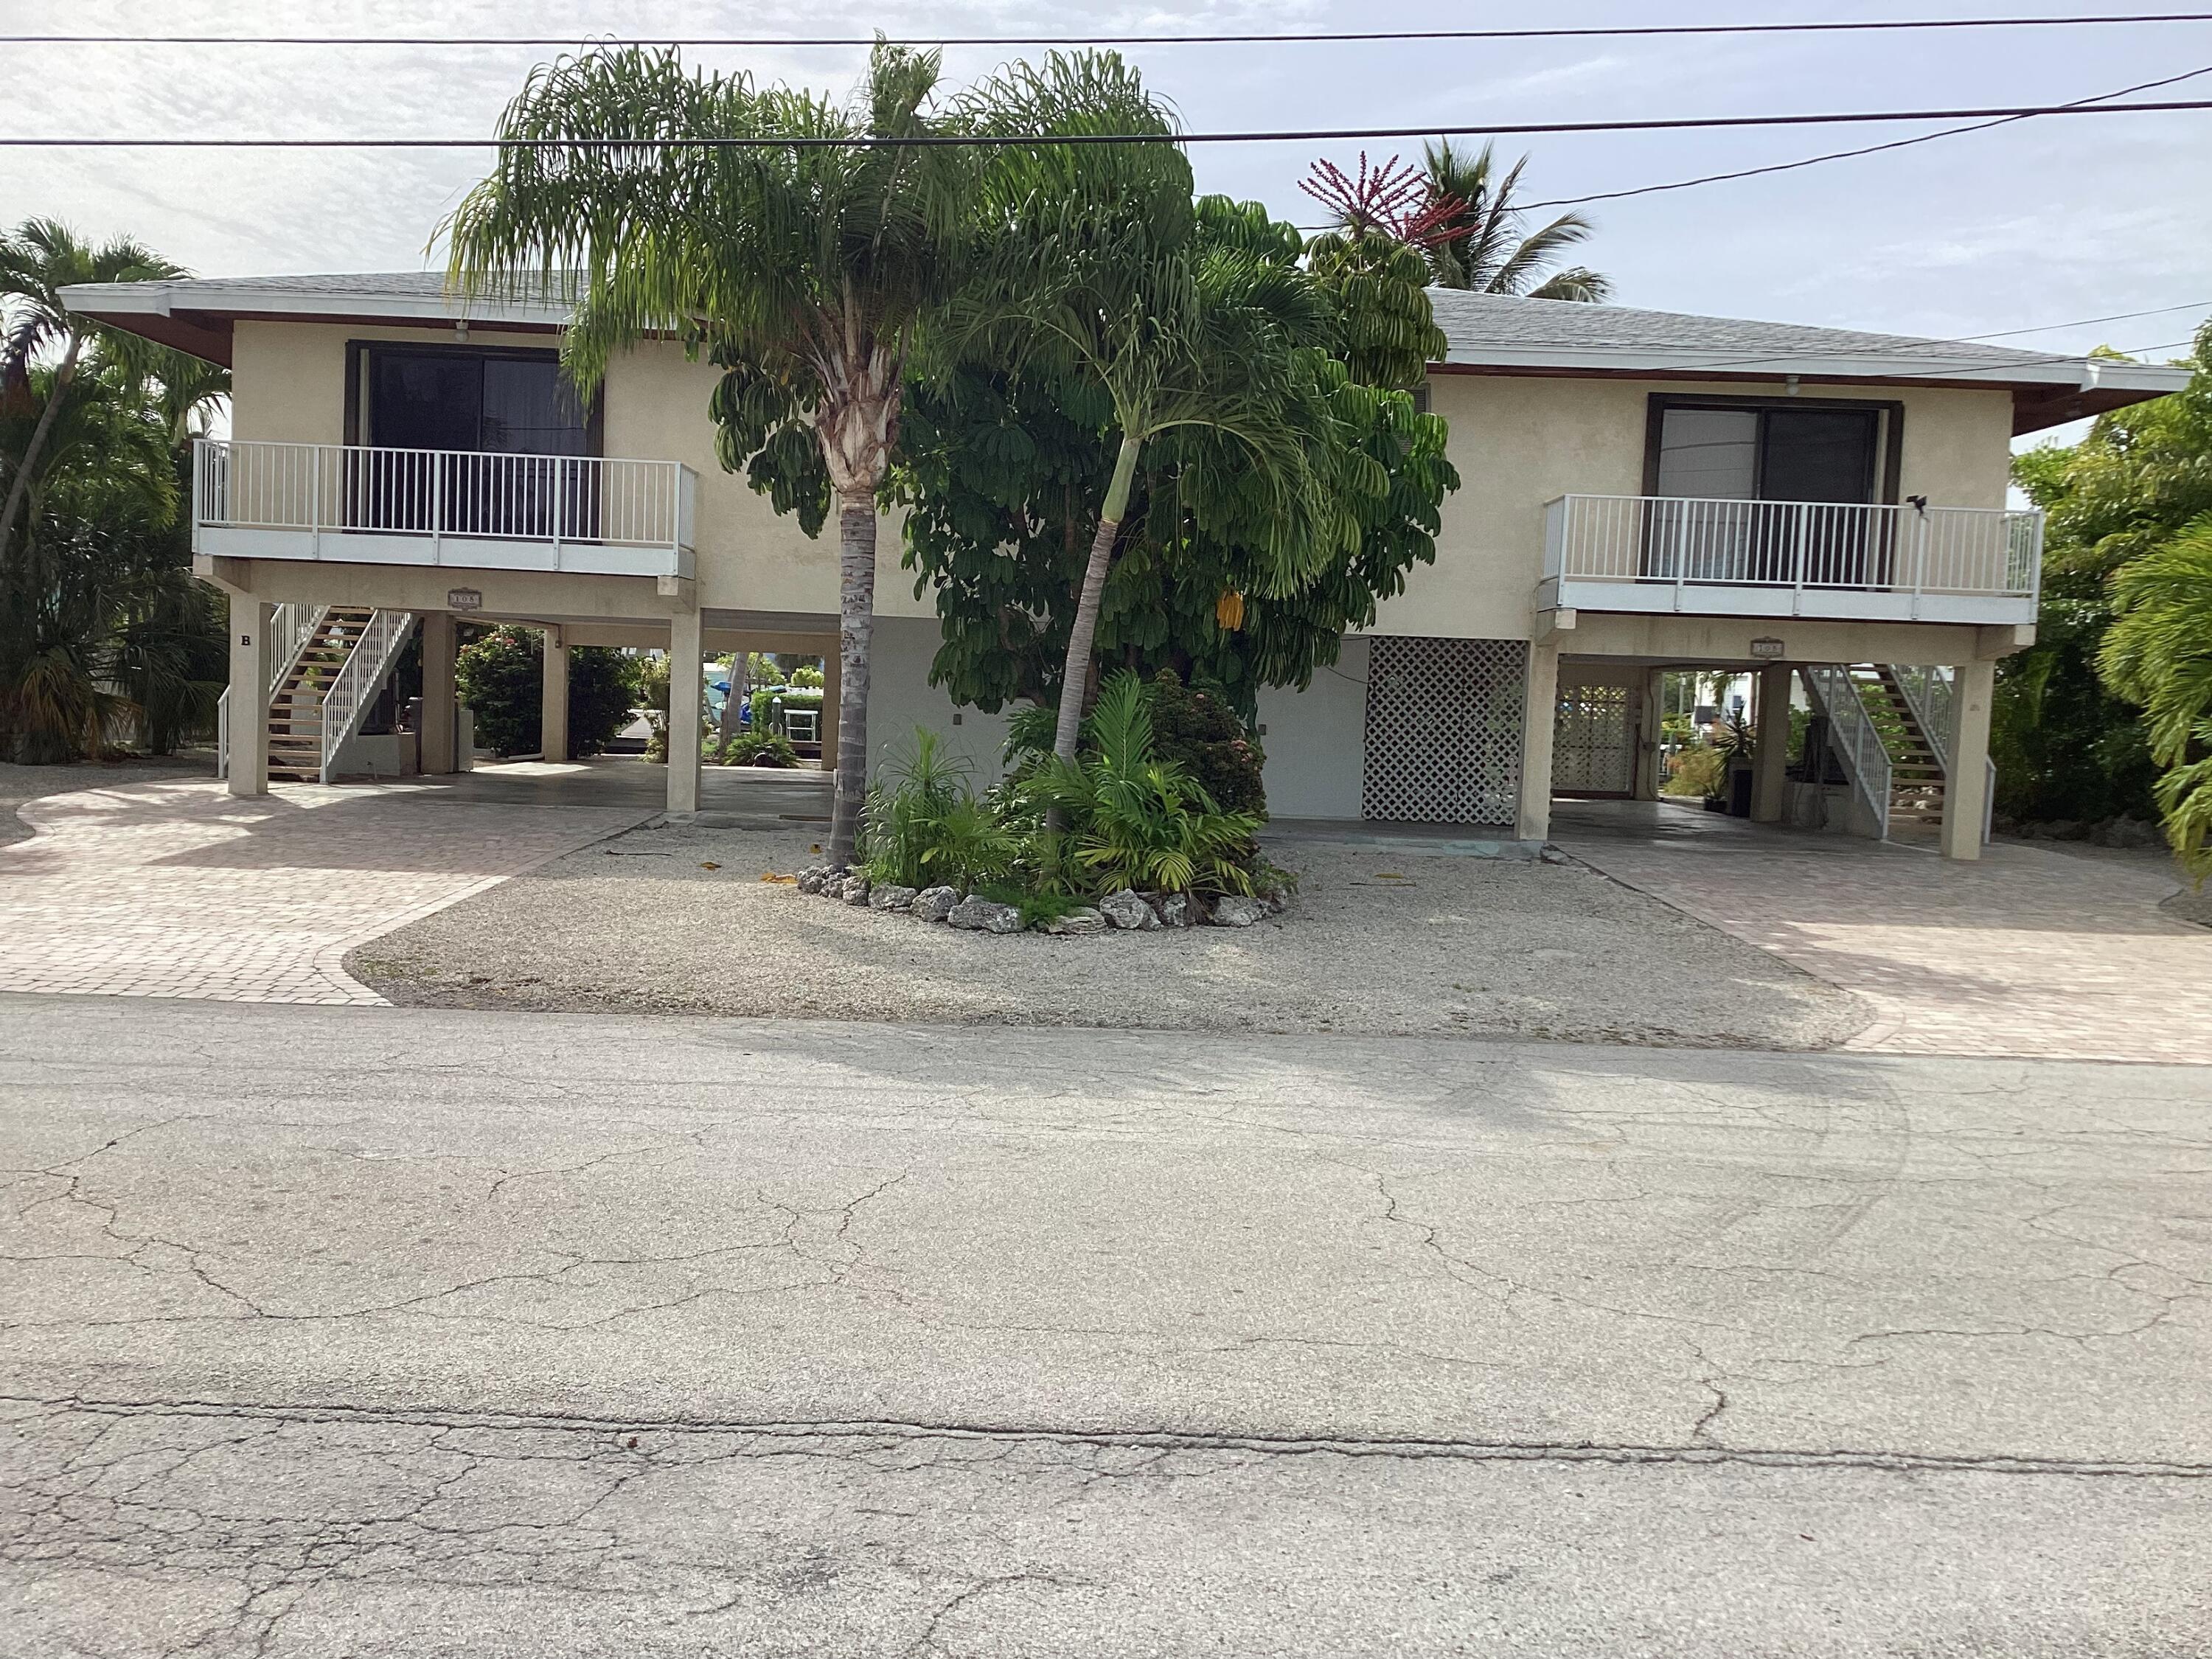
(290, 628)
(1852, 733)
(355, 686)
(1928, 690)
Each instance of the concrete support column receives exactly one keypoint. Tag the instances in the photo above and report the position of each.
(833, 667)
(685, 691)
(1966, 786)
(1650, 767)
(438, 717)
(1770, 761)
(553, 713)
(1540, 713)
(249, 694)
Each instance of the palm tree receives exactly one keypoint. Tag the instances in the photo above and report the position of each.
(805, 269)
(2159, 654)
(1479, 244)
(36, 262)
(1099, 277)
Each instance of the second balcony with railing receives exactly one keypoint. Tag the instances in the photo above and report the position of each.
(1840, 561)
(488, 510)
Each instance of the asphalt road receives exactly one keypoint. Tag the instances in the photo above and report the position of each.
(370, 1332)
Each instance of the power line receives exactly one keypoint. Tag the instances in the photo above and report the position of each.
(2084, 322)
(1847, 154)
(1319, 135)
(1648, 31)
(1831, 155)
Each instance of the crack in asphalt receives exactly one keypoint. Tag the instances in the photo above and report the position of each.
(773, 1430)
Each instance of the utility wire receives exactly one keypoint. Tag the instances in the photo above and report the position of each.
(1647, 30)
(1831, 155)
(1847, 154)
(1318, 135)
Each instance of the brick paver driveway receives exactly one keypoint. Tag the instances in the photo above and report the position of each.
(174, 889)
(2031, 951)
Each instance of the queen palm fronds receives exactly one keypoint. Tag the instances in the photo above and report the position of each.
(2159, 650)
(36, 261)
(2158, 653)
(1481, 244)
(806, 271)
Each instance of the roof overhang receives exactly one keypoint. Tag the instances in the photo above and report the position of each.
(198, 317)
(2045, 392)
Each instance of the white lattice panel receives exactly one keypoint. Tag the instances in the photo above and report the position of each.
(1443, 731)
(1593, 741)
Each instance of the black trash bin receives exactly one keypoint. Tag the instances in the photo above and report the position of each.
(1739, 792)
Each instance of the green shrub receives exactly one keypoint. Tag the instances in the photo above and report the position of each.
(1698, 771)
(763, 702)
(602, 695)
(759, 749)
(501, 677)
(926, 827)
(1134, 820)
(1195, 728)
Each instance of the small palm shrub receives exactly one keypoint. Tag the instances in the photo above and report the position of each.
(926, 828)
(770, 748)
(1134, 820)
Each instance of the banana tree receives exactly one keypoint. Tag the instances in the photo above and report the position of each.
(805, 267)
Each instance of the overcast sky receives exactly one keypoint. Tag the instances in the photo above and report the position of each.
(2031, 224)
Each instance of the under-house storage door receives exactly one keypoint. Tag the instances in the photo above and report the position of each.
(1594, 741)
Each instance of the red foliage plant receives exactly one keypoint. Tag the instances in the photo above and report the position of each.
(1394, 200)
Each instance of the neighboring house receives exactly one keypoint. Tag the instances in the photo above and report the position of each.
(1642, 491)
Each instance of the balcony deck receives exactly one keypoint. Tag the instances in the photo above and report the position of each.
(1844, 562)
(357, 505)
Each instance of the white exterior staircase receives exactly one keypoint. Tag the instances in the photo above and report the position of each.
(338, 659)
(1890, 725)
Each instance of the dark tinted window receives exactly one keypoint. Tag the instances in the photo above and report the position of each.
(455, 400)
(1817, 455)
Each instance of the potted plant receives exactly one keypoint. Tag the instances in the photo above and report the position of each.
(1737, 743)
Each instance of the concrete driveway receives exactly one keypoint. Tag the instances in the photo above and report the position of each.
(500, 1334)
(2030, 951)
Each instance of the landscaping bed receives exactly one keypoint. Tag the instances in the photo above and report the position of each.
(686, 918)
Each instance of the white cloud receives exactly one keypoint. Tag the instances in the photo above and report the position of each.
(2035, 223)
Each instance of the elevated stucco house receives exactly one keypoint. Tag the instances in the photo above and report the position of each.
(1643, 491)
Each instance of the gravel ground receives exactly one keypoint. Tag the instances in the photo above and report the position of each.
(19, 784)
(679, 919)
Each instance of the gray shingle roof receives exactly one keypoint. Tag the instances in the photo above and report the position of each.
(1483, 327)
(1485, 330)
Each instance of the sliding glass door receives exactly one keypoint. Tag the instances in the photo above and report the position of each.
(463, 442)
(1764, 495)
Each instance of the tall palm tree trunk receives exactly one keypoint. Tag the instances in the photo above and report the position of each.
(1075, 677)
(856, 602)
(19, 488)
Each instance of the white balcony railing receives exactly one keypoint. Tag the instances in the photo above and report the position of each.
(1658, 553)
(439, 507)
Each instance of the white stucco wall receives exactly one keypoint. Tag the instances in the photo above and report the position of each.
(900, 698)
(1517, 441)
(1316, 740)
(1520, 440)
